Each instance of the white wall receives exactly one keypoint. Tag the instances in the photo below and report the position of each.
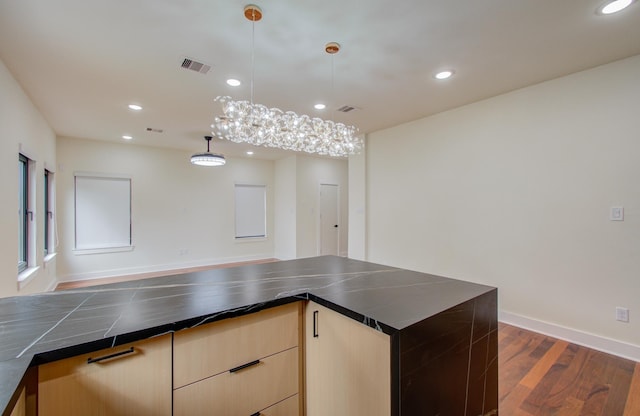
(285, 208)
(182, 215)
(298, 180)
(515, 192)
(22, 130)
(311, 172)
(357, 206)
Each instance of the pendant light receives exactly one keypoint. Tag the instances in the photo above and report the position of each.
(256, 124)
(208, 158)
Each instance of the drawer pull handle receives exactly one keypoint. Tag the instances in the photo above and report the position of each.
(315, 324)
(256, 414)
(243, 366)
(107, 357)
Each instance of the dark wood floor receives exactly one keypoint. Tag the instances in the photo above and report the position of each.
(540, 375)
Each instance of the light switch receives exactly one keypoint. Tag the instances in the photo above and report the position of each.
(616, 214)
(622, 314)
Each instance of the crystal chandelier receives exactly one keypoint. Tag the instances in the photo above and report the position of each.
(256, 124)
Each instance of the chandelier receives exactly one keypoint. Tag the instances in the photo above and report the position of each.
(207, 158)
(256, 124)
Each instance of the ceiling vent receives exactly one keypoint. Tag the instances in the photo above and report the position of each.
(347, 108)
(152, 130)
(189, 63)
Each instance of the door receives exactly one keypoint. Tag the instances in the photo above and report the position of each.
(347, 366)
(329, 225)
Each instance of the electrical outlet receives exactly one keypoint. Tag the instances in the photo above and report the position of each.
(622, 314)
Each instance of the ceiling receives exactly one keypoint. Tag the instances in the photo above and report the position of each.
(83, 61)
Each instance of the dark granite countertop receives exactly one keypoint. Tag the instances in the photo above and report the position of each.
(40, 328)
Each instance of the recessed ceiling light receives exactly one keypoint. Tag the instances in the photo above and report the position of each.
(319, 106)
(615, 6)
(127, 137)
(233, 82)
(135, 107)
(249, 152)
(443, 74)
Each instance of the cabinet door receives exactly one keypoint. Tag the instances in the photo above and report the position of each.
(20, 408)
(348, 366)
(136, 382)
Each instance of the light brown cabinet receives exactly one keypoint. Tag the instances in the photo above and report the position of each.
(248, 365)
(240, 366)
(290, 406)
(20, 408)
(347, 366)
(125, 380)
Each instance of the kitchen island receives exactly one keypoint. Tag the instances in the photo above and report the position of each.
(442, 332)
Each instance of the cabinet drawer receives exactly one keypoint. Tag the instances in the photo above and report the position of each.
(214, 348)
(244, 392)
(288, 407)
(134, 381)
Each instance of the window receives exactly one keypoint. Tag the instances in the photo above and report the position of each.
(48, 213)
(102, 212)
(251, 211)
(23, 212)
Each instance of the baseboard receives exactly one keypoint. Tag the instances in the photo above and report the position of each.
(52, 285)
(596, 342)
(101, 274)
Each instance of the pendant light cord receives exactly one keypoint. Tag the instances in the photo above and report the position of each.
(333, 92)
(253, 36)
(332, 48)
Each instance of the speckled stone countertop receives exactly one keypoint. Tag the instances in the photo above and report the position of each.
(40, 328)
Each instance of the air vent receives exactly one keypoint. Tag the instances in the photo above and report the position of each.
(347, 108)
(188, 63)
(154, 130)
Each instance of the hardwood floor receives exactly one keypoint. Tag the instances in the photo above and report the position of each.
(540, 375)
(106, 280)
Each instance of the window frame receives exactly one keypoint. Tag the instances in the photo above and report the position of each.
(23, 212)
(48, 211)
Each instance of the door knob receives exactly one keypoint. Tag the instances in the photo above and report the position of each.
(335, 226)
